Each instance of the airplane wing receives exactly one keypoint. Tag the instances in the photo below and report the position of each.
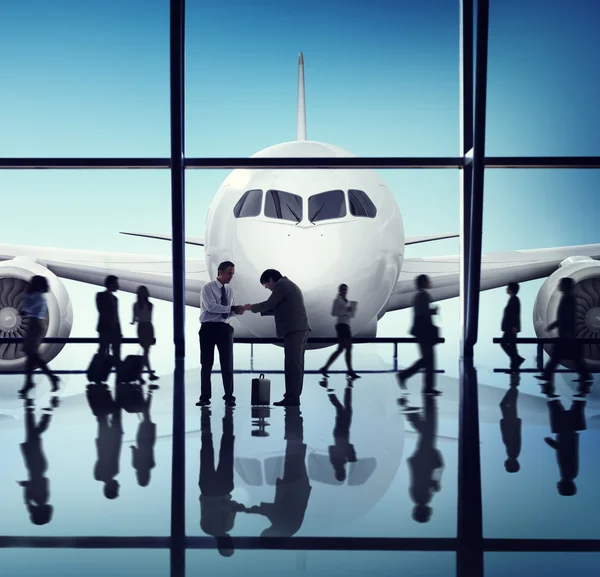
(497, 269)
(91, 267)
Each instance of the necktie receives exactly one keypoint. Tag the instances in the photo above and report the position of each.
(224, 300)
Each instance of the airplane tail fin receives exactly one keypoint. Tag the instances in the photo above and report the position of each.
(301, 114)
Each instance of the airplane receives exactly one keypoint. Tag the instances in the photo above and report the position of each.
(319, 227)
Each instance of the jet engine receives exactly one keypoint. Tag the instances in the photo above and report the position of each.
(15, 275)
(585, 273)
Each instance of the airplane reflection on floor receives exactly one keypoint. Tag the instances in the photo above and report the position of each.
(358, 458)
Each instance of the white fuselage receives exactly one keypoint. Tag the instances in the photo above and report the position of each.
(363, 252)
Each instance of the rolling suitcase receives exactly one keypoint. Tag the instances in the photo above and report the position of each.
(99, 368)
(261, 391)
(131, 369)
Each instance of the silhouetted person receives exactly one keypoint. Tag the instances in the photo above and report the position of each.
(216, 310)
(35, 310)
(426, 464)
(292, 490)
(109, 439)
(343, 310)
(142, 315)
(142, 455)
(37, 488)
(510, 426)
(291, 323)
(109, 325)
(570, 348)
(511, 326)
(426, 334)
(217, 509)
(565, 425)
(342, 451)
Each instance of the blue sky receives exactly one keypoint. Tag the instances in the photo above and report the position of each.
(90, 78)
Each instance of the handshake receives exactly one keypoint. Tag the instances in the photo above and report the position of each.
(240, 309)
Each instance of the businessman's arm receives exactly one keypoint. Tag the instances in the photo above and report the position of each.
(211, 304)
(276, 297)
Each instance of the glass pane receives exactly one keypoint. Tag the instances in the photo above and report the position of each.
(85, 79)
(313, 563)
(351, 462)
(542, 95)
(97, 563)
(381, 79)
(326, 206)
(283, 205)
(372, 270)
(546, 564)
(540, 464)
(70, 222)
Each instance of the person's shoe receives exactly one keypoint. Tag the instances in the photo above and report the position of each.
(203, 403)
(401, 380)
(324, 372)
(153, 377)
(286, 403)
(542, 378)
(230, 403)
(353, 375)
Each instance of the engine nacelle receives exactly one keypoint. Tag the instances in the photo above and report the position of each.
(14, 279)
(585, 273)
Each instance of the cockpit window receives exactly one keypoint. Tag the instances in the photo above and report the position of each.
(361, 204)
(249, 205)
(283, 205)
(326, 206)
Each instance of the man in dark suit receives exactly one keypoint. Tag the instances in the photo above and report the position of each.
(291, 323)
(569, 348)
(109, 326)
(426, 334)
(511, 325)
(292, 489)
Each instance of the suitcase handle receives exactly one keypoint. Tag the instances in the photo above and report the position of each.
(262, 376)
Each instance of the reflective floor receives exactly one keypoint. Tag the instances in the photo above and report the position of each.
(358, 459)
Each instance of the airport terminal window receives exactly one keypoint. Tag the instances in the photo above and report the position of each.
(283, 205)
(249, 205)
(361, 204)
(326, 205)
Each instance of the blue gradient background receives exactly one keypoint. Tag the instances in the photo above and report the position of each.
(85, 78)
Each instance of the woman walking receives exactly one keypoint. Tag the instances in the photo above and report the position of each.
(142, 314)
(36, 310)
(343, 311)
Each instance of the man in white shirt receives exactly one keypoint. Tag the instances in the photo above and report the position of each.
(216, 310)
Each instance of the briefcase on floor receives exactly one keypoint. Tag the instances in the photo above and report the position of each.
(261, 391)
